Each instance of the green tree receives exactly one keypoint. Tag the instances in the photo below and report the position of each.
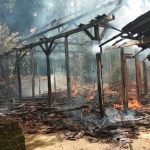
(7, 42)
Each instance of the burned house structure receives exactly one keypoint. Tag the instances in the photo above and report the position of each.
(117, 85)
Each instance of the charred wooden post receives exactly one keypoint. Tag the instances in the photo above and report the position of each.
(38, 74)
(100, 83)
(96, 32)
(124, 80)
(54, 77)
(92, 76)
(75, 67)
(138, 79)
(49, 80)
(39, 86)
(68, 71)
(81, 71)
(145, 79)
(18, 74)
(47, 51)
(33, 76)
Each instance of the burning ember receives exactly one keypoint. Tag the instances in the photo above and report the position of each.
(53, 91)
(74, 93)
(90, 98)
(132, 103)
(84, 109)
(118, 105)
(73, 86)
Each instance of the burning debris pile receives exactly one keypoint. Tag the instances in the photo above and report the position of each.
(116, 126)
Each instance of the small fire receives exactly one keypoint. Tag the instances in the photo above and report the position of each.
(53, 91)
(118, 105)
(132, 103)
(84, 109)
(74, 93)
(90, 97)
(73, 86)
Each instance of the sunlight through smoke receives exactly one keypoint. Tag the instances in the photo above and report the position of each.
(95, 48)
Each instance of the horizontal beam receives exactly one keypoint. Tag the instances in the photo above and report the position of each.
(73, 43)
(137, 42)
(99, 22)
(70, 21)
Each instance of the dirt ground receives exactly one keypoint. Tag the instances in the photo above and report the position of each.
(57, 141)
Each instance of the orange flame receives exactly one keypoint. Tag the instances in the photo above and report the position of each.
(90, 97)
(118, 106)
(132, 103)
(84, 109)
(53, 91)
(73, 86)
(74, 93)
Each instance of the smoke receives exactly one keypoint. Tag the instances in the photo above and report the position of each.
(127, 13)
(95, 48)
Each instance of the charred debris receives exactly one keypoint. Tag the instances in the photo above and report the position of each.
(119, 110)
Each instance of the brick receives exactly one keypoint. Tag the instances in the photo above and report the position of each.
(6, 135)
(3, 143)
(1, 129)
(7, 125)
(16, 143)
(2, 137)
(15, 123)
(20, 138)
(11, 137)
(18, 131)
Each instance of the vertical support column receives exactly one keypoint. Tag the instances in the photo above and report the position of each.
(54, 75)
(18, 73)
(124, 81)
(39, 86)
(109, 68)
(33, 76)
(49, 81)
(81, 70)
(96, 32)
(92, 76)
(138, 79)
(145, 78)
(8, 83)
(75, 67)
(68, 71)
(100, 83)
